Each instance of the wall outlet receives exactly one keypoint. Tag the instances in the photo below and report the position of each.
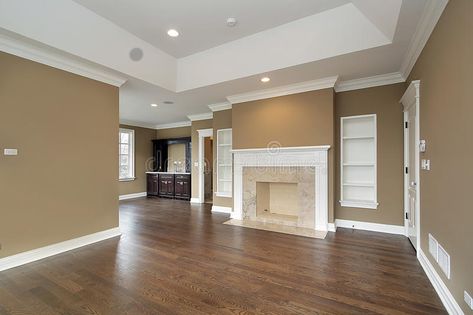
(10, 151)
(468, 300)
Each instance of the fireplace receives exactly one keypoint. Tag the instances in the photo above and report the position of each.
(288, 187)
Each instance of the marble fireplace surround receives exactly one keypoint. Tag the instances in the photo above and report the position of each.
(313, 158)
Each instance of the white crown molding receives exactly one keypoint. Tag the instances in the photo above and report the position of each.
(301, 87)
(54, 249)
(363, 83)
(430, 16)
(56, 59)
(220, 106)
(200, 116)
(136, 124)
(132, 196)
(178, 124)
(442, 290)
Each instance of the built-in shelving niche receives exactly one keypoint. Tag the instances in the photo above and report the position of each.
(358, 162)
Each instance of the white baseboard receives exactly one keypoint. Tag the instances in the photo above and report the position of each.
(368, 226)
(221, 209)
(332, 227)
(444, 293)
(132, 196)
(195, 200)
(54, 249)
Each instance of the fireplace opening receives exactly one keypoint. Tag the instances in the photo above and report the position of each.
(277, 201)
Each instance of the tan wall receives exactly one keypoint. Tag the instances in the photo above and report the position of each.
(384, 102)
(445, 69)
(169, 133)
(304, 119)
(64, 182)
(143, 162)
(197, 125)
(222, 120)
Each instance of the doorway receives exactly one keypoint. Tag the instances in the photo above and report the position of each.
(205, 165)
(410, 101)
(208, 170)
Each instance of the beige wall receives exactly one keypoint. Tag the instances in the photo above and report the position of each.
(221, 120)
(304, 119)
(384, 102)
(197, 125)
(169, 133)
(143, 162)
(445, 69)
(64, 182)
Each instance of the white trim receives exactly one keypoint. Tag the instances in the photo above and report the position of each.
(136, 124)
(220, 209)
(368, 226)
(204, 116)
(219, 193)
(412, 98)
(442, 290)
(285, 149)
(132, 196)
(54, 58)
(430, 16)
(366, 204)
(202, 134)
(307, 157)
(173, 125)
(223, 194)
(301, 87)
(220, 106)
(332, 227)
(195, 200)
(363, 83)
(58, 248)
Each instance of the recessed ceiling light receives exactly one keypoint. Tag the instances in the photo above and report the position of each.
(265, 79)
(231, 22)
(173, 33)
(168, 102)
(154, 105)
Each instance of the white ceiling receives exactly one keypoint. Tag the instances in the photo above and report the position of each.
(290, 41)
(202, 23)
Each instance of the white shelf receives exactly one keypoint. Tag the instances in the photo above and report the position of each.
(359, 184)
(224, 162)
(224, 145)
(358, 157)
(359, 164)
(358, 138)
(225, 165)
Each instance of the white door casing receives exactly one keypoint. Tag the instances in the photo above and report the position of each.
(203, 133)
(410, 101)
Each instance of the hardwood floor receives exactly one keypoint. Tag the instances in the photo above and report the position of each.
(174, 258)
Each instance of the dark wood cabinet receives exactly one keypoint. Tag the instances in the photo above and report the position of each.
(182, 186)
(152, 183)
(166, 185)
(169, 185)
(160, 153)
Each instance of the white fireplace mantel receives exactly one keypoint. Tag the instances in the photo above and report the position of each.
(311, 156)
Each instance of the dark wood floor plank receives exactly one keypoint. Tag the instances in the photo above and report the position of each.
(177, 258)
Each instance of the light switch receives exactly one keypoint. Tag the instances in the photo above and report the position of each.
(10, 151)
(425, 165)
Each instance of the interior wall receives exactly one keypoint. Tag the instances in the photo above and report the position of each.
(143, 160)
(384, 102)
(445, 71)
(304, 119)
(197, 125)
(221, 120)
(169, 133)
(63, 183)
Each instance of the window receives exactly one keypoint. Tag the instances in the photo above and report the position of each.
(358, 162)
(224, 163)
(126, 154)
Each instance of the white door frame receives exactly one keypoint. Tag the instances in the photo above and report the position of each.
(203, 133)
(412, 98)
